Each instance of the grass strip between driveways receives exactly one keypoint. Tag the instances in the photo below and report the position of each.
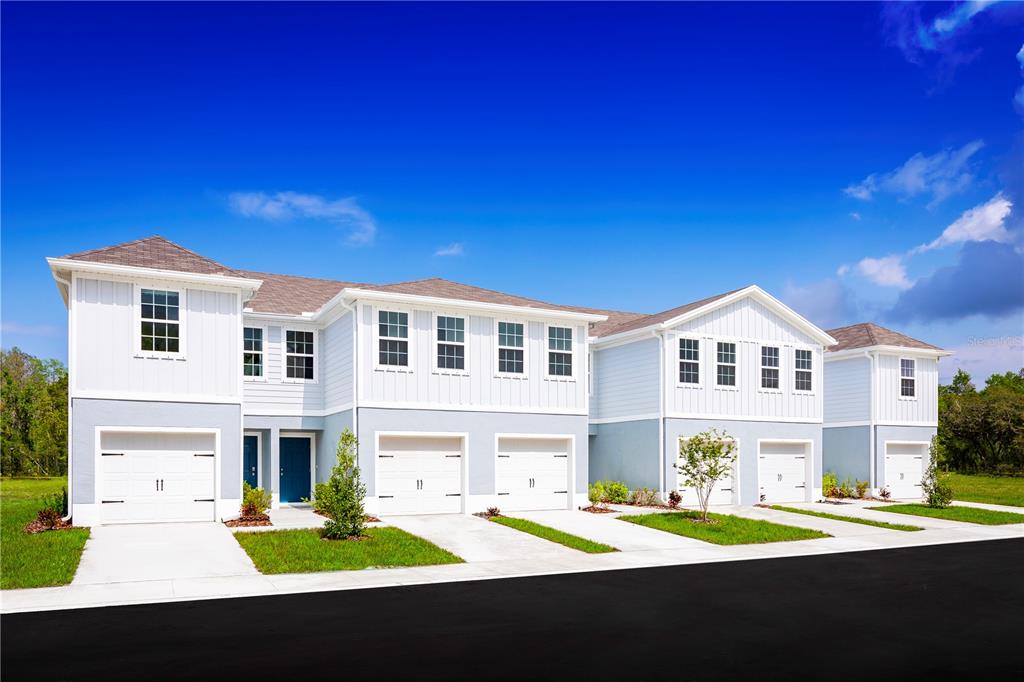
(41, 559)
(302, 551)
(1008, 490)
(851, 519)
(554, 535)
(987, 517)
(730, 530)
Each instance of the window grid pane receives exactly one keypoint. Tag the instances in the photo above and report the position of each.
(510, 361)
(510, 334)
(159, 329)
(560, 364)
(907, 368)
(450, 356)
(689, 373)
(769, 377)
(393, 352)
(298, 354)
(907, 388)
(726, 374)
(451, 329)
(803, 380)
(393, 325)
(560, 339)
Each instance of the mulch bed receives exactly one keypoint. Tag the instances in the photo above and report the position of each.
(369, 518)
(485, 515)
(248, 521)
(39, 527)
(598, 510)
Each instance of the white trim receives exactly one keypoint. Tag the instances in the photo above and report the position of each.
(182, 292)
(778, 368)
(679, 361)
(93, 394)
(263, 411)
(742, 418)
(735, 364)
(627, 418)
(311, 435)
(814, 381)
(259, 456)
(842, 425)
(464, 471)
(393, 405)
(285, 379)
(899, 366)
(809, 488)
(263, 354)
(546, 345)
(439, 302)
(220, 514)
(133, 272)
(885, 350)
(434, 328)
(524, 348)
(375, 312)
(836, 425)
(570, 438)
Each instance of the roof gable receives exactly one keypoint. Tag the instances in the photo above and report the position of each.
(156, 253)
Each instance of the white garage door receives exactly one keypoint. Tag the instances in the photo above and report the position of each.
(782, 471)
(904, 468)
(724, 491)
(532, 473)
(156, 477)
(419, 475)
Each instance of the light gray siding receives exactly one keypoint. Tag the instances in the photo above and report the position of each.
(337, 362)
(625, 380)
(848, 390)
(88, 414)
(627, 452)
(275, 394)
(846, 452)
(327, 444)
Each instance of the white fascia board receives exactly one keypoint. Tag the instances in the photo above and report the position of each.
(886, 350)
(435, 301)
(131, 271)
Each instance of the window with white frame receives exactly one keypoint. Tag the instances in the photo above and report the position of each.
(803, 368)
(451, 342)
(298, 354)
(908, 377)
(689, 361)
(252, 352)
(560, 351)
(726, 364)
(510, 348)
(159, 318)
(393, 338)
(770, 367)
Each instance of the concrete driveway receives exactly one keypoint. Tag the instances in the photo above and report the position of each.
(625, 536)
(161, 551)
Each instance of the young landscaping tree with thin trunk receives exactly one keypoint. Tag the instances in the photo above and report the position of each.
(703, 460)
(937, 492)
(340, 497)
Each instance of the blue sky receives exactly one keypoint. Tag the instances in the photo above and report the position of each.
(859, 161)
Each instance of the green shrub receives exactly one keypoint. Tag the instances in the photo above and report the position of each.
(644, 497)
(846, 488)
(255, 501)
(340, 498)
(54, 507)
(674, 498)
(616, 492)
(862, 489)
(937, 492)
(830, 485)
(595, 493)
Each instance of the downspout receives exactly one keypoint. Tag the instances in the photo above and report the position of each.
(71, 460)
(661, 411)
(871, 418)
(353, 308)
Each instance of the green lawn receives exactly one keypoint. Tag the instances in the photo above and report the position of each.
(966, 514)
(990, 489)
(554, 535)
(730, 530)
(851, 519)
(302, 551)
(38, 560)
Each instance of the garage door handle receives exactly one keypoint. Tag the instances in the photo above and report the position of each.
(453, 455)
(504, 456)
(385, 497)
(203, 454)
(385, 456)
(112, 454)
(561, 455)
(453, 494)
(112, 502)
(503, 493)
(204, 500)
(561, 492)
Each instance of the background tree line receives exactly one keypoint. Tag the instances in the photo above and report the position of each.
(982, 430)
(33, 415)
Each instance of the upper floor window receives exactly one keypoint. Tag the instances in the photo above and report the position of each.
(510, 348)
(393, 338)
(726, 364)
(252, 352)
(160, 324)
(803, 366)
(298, 354)
(451, 342)
(689, 361)
(769, 367)
(560, 351)
(908, 377)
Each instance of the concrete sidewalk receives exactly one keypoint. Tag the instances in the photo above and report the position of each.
(493, 551)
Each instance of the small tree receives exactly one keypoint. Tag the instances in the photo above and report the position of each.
(341, 496)
(595, 493)
(703, 460)
(937, 492)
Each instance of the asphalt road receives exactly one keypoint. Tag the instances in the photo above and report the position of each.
(945, 612)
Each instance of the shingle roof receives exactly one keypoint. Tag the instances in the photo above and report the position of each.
(292, 295)
(443, 288)
(630, 321)
(865, 334)
(155, 252)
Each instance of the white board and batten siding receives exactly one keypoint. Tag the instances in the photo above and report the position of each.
(848, 390)
(273, 393)
(480, 387)
(750, 325)
(892, 408)
(105, 338)
(625, 380)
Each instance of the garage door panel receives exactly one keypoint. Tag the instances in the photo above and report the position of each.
(904, 469)
(532, 474)
(419, 475)
(782, 471)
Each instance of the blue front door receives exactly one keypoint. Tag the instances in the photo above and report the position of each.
(250, 454)
(294, 469)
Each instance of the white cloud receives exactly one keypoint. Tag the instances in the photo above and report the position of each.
(986, 222)
(959, 16)
(453, 249)
(887, 271)
(981, 358)
(346, 212)
(842, 270)
(20, 329)
(855, 215)
(940, 175)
